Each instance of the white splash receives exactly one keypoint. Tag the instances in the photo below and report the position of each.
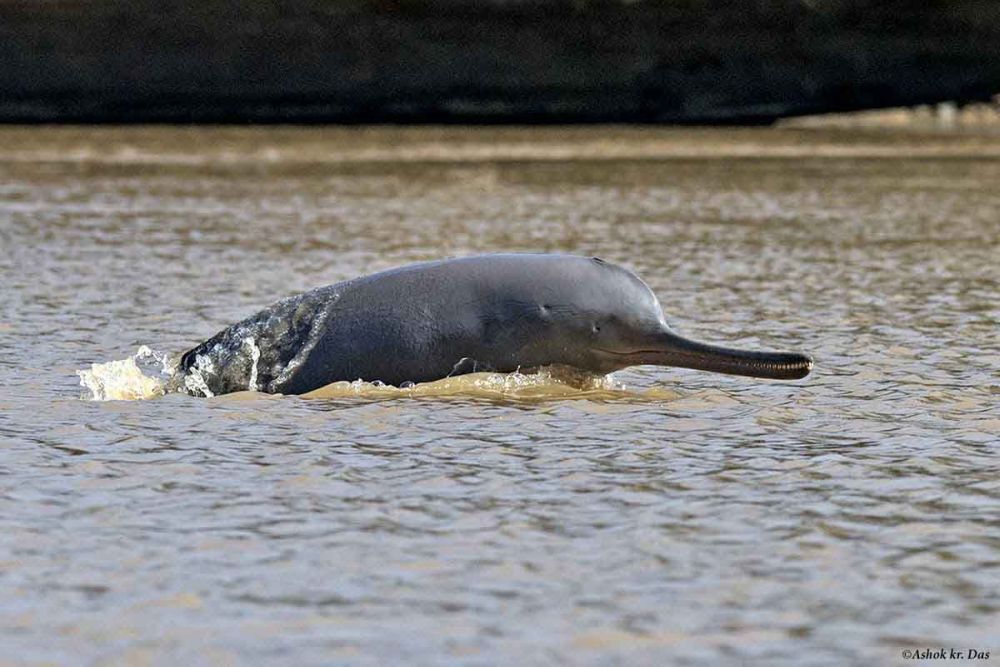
(147, 374)
(547, 383)
(255, 356)
(125, 380)
(195, 381)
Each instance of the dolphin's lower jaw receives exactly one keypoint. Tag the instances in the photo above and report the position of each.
(673, 350)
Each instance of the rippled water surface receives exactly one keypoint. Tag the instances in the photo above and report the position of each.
(688, 517)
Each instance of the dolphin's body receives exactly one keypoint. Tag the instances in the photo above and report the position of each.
(427, 321)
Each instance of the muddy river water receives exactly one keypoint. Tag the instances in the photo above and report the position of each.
(667, 516)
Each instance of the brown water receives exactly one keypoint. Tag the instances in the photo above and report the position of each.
(668, 515)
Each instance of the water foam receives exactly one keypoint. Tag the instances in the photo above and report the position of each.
(147, 374)
(255, 358)
(194, 380)
(547, 383)
(128, 379)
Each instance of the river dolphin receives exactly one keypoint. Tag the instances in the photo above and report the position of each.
(432, 320)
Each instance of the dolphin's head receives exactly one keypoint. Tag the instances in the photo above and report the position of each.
(617, 322)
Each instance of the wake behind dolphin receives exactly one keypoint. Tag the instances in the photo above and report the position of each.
(432, 320)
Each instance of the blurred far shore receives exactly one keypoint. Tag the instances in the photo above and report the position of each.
(945, 116)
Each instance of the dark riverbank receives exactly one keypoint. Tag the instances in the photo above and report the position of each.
(533, 61)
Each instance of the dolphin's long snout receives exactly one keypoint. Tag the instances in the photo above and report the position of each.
(674, 350)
